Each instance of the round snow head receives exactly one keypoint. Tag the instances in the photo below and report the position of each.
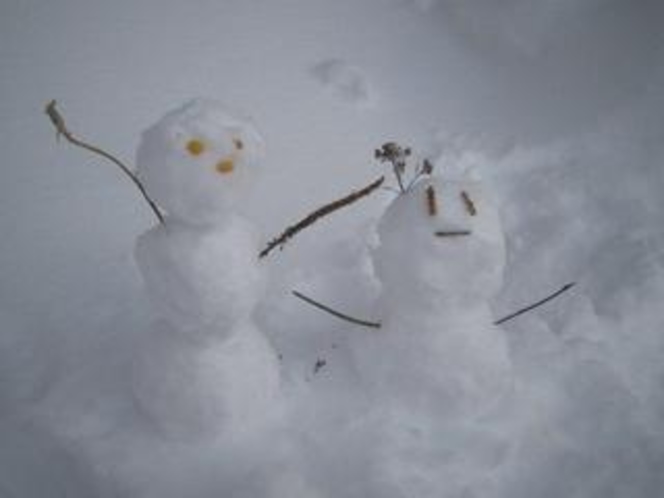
(199, 161)
(440, 242)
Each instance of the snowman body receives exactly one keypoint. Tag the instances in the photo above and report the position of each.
(206, 369)
(438, 369)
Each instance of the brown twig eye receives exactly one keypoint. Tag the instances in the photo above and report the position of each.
(239, 144)
(432, 205)
(195, 147)
(468, 202)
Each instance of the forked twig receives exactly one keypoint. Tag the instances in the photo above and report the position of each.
(338, 314)
(292, 230)
(62, 130)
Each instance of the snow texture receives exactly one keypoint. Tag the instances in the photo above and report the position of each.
(345, 80)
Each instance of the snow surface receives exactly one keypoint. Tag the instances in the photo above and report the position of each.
(557, 103)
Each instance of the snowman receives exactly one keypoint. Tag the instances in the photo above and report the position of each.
(205, 370)
(438, 370)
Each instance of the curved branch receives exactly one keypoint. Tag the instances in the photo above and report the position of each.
(377, 325)
(333, 312)
(539, 303)
(62, 130)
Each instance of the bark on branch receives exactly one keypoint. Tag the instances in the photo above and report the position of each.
(62, 130)
(310, 219)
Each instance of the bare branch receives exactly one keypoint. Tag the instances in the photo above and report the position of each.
(468, 203)
(377, 325)
(539, 303)
(292, 230)
(338, 314)
(62, 130)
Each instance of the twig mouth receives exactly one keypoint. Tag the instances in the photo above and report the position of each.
(452, 233)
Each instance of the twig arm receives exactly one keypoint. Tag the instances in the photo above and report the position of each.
(367, 323)
(539, 303)
(61, 129)
(338, 314)
(310, 219)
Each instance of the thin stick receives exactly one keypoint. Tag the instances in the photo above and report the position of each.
(338, 314)
(452, 233)
(377, 325)
(292, 230)
(432, 205)
(468, 202)
(62, 130)
(539, 303)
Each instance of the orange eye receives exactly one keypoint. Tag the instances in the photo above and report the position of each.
(225, 166)
(195, 147)
(239, 144)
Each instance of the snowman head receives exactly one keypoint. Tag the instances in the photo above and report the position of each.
(441, 243)
(199, 161)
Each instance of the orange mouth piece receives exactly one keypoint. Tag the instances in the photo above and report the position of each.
(225, 166)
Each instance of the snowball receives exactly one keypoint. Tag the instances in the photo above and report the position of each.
(202, 281)
(190, 390)
(451, 256)
(199, 161)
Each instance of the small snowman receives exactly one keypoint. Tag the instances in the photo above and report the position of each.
(438, 369)
(205, 369)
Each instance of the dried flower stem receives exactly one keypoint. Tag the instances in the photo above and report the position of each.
(338, 314)
(292, 230)
(62, 130)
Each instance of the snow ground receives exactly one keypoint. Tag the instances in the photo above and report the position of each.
(558, 102)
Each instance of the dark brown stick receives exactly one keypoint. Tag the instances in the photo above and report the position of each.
(539, 303)
(432, 205)
(62, 130)
(292, 230)
(468, 202)
(338, 314)
(377, 325)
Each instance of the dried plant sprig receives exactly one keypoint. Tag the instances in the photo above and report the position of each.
(539, 303)
(62, 130)
(397, 156)
(321, 212)
(338, 314)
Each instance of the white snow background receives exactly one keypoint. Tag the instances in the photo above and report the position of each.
(559, 103)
